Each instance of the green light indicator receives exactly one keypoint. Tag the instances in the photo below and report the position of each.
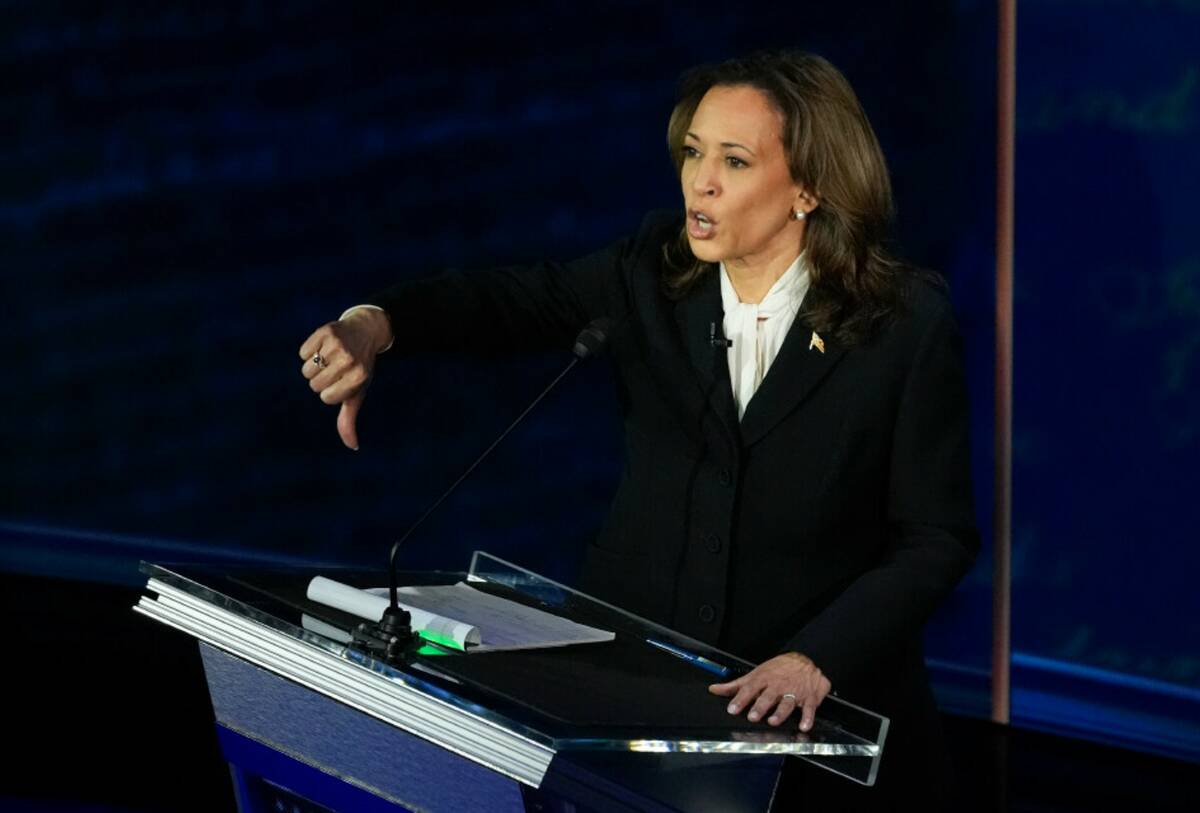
(441, 640)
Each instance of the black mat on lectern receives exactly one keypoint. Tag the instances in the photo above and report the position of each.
(625, 683)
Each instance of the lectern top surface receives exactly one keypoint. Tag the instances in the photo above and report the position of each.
(635, 692)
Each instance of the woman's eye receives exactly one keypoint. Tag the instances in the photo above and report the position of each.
(735, 162)
(690, 152)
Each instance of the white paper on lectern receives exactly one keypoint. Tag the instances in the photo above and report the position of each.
(370, 605)
(462, 613)
(325, 629)
(502, 624)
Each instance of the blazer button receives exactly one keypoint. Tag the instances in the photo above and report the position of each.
(713, 543)
(707, 613)
(724, 477)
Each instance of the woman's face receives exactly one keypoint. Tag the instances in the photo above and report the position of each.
(738, 191)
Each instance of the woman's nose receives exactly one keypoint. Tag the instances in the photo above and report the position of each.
(705, 180)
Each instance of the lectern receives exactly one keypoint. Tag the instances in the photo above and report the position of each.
(308, 722)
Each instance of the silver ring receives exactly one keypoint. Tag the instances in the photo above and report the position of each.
(789, 694)
(320, 362)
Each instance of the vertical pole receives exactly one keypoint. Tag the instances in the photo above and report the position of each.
(1006, 91)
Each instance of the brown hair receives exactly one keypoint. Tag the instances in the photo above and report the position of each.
(833, 152)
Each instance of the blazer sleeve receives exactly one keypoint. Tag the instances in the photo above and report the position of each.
(510, 309)
(932, 539)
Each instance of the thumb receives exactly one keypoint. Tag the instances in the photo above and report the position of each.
(348, 416)
(725, 689)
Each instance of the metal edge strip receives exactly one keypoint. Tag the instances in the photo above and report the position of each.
(723, 747)
(432, 730)
(406, 708)
(504, 754)
(369, 685)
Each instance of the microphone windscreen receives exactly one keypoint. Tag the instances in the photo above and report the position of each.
(593, 339)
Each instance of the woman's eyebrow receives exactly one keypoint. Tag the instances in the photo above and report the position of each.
(723, 143)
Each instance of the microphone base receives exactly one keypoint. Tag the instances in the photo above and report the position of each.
(392, 640)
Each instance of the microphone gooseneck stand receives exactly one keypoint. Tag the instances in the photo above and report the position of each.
(392, 638)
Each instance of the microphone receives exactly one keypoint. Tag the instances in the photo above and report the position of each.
(592, 341)
(715, 340)
(393, 638)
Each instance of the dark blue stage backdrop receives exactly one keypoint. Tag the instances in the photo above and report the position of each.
(1106, 436)
(189, 190)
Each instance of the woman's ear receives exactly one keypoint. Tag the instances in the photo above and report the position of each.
(805, 202)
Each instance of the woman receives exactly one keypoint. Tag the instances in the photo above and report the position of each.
(796, 488)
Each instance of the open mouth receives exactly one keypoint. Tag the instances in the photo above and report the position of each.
(700, 225)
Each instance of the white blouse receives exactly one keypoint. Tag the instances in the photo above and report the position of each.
(757, 330)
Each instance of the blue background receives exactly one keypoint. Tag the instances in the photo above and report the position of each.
(188, 192)
(1106, 428)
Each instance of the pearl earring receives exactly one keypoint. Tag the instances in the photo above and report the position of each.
(799, 214)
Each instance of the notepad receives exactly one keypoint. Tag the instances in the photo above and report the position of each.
(474, 620)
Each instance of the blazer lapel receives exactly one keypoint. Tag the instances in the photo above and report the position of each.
(799, 367)
(695, 314)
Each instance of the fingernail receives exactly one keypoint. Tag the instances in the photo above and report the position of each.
(753, 716)
(733, 709)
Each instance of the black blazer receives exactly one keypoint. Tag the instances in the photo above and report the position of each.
(831, 520)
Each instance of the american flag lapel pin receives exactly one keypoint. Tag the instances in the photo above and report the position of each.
(817, 342)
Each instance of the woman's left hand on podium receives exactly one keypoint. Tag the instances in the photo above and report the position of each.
(783, 683)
